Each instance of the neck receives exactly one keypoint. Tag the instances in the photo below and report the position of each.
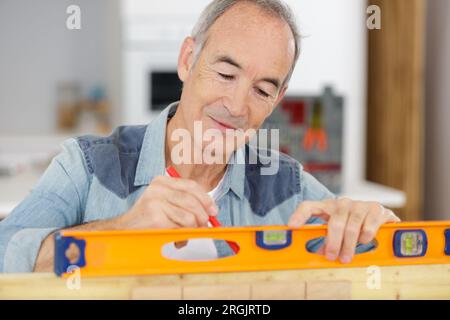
(207, 175)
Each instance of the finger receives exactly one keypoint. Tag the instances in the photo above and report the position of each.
(358, 212)
(390, 216)
(181, 217)
(187, 202)
(181, 202)
(374, 219)
(336, 229)
(306, 210)
(321, 249)
(162, 220)
(193, 188)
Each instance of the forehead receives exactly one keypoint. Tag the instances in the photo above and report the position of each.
(260, 42)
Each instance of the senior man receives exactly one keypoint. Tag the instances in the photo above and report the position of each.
(235, 69)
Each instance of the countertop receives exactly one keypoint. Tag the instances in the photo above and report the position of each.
(395, 282)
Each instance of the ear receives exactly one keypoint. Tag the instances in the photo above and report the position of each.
(185, 58)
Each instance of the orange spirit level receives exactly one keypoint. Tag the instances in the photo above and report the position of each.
(105, 253)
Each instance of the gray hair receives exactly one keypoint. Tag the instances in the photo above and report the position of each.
(218, 7)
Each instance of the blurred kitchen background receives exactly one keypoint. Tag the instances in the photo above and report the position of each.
(367, 111)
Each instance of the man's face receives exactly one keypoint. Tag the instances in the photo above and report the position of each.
(237, 80)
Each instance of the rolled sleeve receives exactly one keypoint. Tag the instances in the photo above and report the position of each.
(22, 249)
(56, 202)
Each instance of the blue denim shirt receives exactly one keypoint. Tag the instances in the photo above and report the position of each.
(96, 178)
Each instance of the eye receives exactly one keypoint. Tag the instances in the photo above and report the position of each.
(226, 76)
(262, 93)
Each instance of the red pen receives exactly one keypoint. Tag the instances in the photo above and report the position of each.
(214, 222)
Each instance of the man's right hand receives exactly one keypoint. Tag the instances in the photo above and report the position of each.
(170, 203)
(166, 203)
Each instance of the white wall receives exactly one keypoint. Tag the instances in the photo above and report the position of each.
(37, 51)
(437, 156)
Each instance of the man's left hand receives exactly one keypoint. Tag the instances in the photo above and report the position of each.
(349, 222)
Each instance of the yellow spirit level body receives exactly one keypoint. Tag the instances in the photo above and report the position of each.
(104, 253)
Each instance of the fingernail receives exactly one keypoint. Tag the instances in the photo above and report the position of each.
(213, 210)
(331, 257)
(346, 259)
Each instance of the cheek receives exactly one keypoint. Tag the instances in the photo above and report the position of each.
(206, 81)
(198, 95)
(208, 90)
(258, 114)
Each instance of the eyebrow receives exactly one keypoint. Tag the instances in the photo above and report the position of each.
(228, 60)
(231, 61)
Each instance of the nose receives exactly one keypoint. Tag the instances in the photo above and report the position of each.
(237, 103)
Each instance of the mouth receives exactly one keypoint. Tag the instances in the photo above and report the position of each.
(223, 125)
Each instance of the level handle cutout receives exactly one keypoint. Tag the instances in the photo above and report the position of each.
(196, 249)
(317, 245)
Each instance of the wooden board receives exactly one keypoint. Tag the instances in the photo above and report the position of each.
(399, 282)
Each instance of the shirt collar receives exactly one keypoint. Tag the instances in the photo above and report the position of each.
(152, 160)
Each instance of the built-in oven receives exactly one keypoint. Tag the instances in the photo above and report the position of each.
(164, 87)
